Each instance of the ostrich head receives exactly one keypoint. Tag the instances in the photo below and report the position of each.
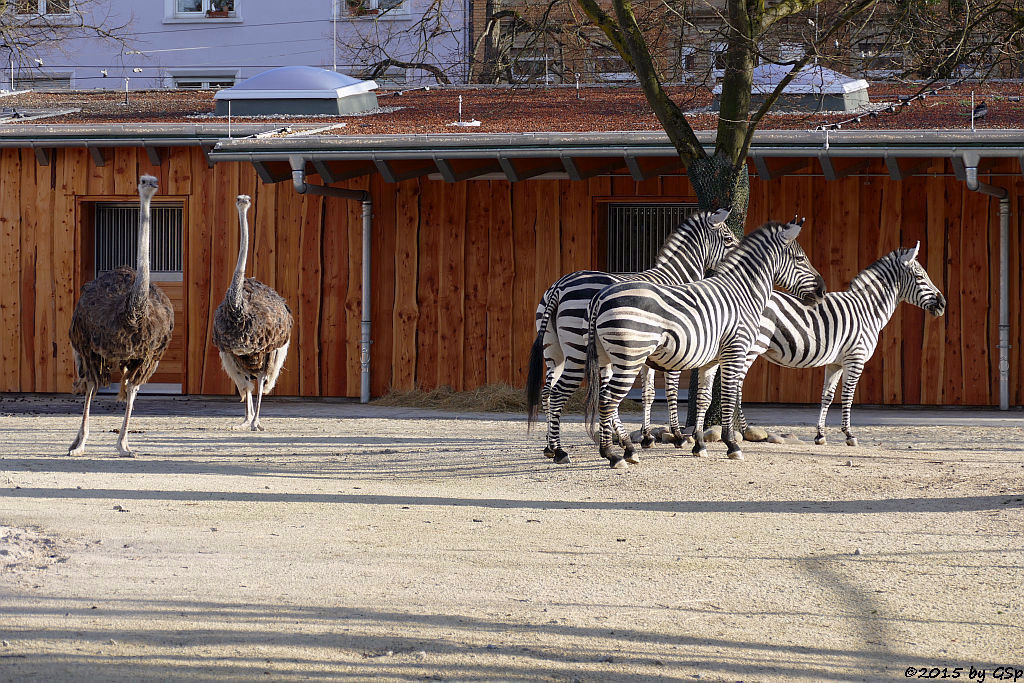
(243, 202)
(148, 186)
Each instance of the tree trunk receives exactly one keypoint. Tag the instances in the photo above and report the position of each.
(717, 183)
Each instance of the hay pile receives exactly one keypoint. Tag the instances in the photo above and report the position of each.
(490, 398)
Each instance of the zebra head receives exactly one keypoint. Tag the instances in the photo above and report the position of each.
(915, 286)
(722, 238)
(795, 274)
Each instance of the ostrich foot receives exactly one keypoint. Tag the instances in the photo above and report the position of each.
(257, 427)
(124, 452)
(241, 426)
(76, 450)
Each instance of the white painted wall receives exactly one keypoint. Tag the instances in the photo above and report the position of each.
(259, 34)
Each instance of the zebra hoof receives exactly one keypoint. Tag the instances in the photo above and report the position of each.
(819, 440)
(549, 452)
(630, 456)
(702, 453)
(560, 457)
(647, 442)
(736, 455)
(617, 463)
(606, 453)
(851, 441)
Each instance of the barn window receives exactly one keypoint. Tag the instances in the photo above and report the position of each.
(116, 226)
(637, 231)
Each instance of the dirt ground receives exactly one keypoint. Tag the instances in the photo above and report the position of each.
(356, 542)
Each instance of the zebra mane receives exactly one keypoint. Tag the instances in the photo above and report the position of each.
(746, 244)
(881, 270)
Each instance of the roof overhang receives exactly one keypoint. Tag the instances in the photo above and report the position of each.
(642, 155)
(276, 151)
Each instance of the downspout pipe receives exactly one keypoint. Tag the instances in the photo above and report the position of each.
(1003, 195)
(298, 165)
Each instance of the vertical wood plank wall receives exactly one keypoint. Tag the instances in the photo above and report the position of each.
(459, 268)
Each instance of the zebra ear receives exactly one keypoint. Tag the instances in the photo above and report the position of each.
(911, 254)
(790, 231)
(722, 215)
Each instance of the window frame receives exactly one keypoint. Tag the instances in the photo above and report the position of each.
(347, 10)
(173, 16)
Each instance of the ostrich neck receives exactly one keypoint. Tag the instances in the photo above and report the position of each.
(140, 292)
(238, 278)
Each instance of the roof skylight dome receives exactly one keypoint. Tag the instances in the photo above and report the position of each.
(298, 90)
(814, 87)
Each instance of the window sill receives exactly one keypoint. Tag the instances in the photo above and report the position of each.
(388, 16)
(202, 20)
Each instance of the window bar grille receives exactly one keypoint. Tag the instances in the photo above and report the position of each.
(636, 232)
(116, 239)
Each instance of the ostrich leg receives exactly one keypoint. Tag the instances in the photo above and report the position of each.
(123, 450)
(249, 413)
(78, 446)
(260, 380)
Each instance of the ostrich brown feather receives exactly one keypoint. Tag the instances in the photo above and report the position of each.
(107, 335)
(251, 332)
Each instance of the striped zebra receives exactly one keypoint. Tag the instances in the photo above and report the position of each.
(842, 332)
(558, 355)
(693, 326)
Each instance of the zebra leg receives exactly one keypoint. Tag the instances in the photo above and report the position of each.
(732, 383)
(647, 440)
(78, 445)
(613, 390)
(552, 376)
(850, 379)
(832, 374)
(566, 381)
(672, 398)
(705, 382)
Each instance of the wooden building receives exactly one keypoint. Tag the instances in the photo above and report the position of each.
(469, 230)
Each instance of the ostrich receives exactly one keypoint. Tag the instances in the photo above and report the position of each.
(252, 329)
(121, 322)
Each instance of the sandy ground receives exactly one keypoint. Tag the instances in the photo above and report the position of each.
(354, 543)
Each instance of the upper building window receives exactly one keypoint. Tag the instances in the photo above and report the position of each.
(377, 9)
(209, 8)
(44, 6)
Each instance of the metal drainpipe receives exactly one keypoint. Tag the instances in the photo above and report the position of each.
(299, 180)
(1002, 194)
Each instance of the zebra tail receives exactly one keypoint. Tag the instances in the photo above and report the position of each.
(536, 376)
(592, 371)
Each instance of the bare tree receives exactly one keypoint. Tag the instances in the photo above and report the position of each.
(32, 29)
(383, 37)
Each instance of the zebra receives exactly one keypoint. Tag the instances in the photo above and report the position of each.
(842, 332)
(691, 326)
(694, 247)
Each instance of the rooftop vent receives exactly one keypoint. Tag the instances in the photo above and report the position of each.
(298, 90)
(814, 88)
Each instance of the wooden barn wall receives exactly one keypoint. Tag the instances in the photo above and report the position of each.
(458, 270)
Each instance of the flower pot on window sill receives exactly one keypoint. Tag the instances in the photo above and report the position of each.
(217, 13)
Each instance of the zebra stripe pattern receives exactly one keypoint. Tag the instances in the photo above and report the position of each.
(842, 332)
(694, 326)
(558, 355)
